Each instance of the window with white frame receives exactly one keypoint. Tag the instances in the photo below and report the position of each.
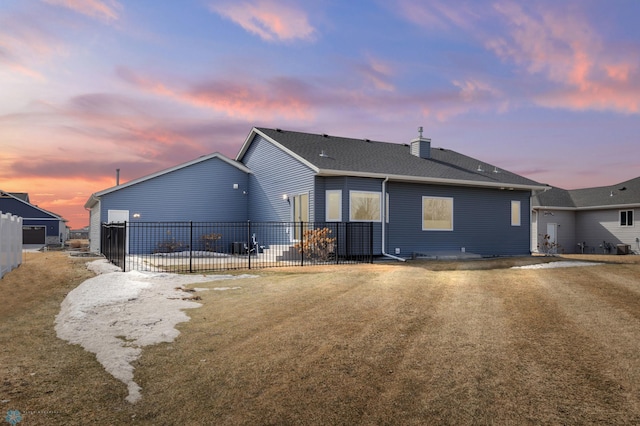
(437, 214)
(626, 217)
(515, 213)
(334, 206)
(364, 206)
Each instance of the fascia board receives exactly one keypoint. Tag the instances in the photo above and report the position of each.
(92, 201)
(553, 208)
(419, 179)
(246, 144)
(255, 131)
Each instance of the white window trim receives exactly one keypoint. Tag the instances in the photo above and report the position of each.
(326, 207)
(378, 193)
(519, 204)
(422, 215)
(620, 218)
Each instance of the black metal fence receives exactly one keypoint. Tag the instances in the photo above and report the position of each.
(216, 246)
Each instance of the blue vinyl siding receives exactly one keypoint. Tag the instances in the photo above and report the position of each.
(31, 216)
(346, 184)
(274, 173)
(18, 208)
(201, 192)
(481, 221)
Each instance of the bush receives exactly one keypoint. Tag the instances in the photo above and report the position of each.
(209, 241)
(171, 246)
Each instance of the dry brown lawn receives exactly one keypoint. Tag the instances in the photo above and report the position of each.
(418, 343)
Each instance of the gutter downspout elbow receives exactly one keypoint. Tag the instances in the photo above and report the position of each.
(384, 222)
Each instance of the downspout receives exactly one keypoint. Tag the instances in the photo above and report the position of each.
(384, 222)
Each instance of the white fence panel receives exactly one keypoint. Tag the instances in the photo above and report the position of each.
(10, 242)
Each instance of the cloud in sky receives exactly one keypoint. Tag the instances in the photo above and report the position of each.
(106, 10)
(378, 72)
(25, 48)
(271, 20)
(94, 85)
(566, 50)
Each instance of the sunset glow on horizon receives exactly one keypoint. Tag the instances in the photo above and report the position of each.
(546, 89)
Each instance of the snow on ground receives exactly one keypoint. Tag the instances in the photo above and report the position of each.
(560, 264)
(115, 314)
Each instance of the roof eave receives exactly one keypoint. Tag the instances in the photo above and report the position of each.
(92, 201)
(585, 208)
(610, 207)
(441, 181)
(564, 208)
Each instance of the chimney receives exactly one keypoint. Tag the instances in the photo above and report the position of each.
(117, 177)
(421, 147)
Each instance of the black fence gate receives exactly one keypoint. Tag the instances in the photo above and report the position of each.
(217, 246)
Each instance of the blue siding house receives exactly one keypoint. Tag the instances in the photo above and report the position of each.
(39, 226)
(420, 199)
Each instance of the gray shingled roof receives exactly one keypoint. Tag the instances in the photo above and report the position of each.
(362, 156)
(625, 193)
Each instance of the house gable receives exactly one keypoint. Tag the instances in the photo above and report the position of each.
(189, 192)
(278, 176)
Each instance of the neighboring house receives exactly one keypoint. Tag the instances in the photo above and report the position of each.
(589, 220)
(39, 226)
(209, 188)
(420, 199)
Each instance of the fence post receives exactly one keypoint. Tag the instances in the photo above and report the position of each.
(371, 242)
(336, 246)
(301, 243)
(249, 242)
(190, 246)
(124, 248)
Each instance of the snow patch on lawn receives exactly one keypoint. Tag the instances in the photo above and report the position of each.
(115, 314)
(561, 264)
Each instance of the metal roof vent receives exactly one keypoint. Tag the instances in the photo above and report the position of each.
(324, 154)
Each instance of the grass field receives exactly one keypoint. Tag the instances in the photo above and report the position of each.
(418, 343)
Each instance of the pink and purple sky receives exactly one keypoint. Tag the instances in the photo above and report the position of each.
(547, 89)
